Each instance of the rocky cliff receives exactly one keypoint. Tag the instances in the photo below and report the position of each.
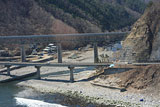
(142, 44)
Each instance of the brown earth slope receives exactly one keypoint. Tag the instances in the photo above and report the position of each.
(141, 77)
(138, 78)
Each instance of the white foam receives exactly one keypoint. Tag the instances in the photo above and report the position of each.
(34, 103)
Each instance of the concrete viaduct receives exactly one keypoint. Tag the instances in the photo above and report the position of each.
(58, 38)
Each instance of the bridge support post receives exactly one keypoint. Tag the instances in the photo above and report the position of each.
(71, 74)
(8, 70)
(38, 72)
(95, 53)
(23, 54)
(59, 51)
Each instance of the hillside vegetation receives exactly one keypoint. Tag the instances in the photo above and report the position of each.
(134, 5)
(93, 15)
(25, 17)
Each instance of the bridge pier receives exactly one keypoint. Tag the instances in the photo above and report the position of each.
(38, 72)
(71, 74)
(8, 70)
(95, 53)
(23, 54)
(59, 51)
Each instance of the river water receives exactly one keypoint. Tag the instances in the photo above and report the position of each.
(13, 96)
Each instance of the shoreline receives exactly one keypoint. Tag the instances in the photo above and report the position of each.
(78, 96)
(57, 81)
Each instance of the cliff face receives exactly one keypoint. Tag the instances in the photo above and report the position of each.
(142, 44)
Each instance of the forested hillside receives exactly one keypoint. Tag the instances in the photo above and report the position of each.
(93, 15)
(25, 17)
(134, 5)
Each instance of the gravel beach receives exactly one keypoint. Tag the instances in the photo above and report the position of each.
(59, 83)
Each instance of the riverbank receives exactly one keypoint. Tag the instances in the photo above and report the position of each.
(55, 80)
(82, 91)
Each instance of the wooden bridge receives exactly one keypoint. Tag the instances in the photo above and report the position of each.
(58, 38)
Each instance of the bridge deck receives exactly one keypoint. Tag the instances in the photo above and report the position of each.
(62, 35)
(68, 64)
(54, 64)
(39, 65)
